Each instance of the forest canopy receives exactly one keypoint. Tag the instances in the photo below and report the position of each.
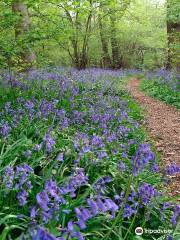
(99, 33)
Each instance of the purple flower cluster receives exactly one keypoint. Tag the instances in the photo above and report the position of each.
(8, 177)
(121, 166)
(176, 215)
(41, 234)
(60, 157)
(62, 118)
(128, 211)
(71, 232)
(49, 143)
(95, 207)
(97, 141)
(75, 181)
(146, 192)
(163, 76)
(143, 156)
(48, 201)
(20, 180)
(46, 108)
(154, 168)
(37, 147)
(78, 117)
(88, 125)
(173, 169)
(4, 129)
(23, 184)
(100, 185)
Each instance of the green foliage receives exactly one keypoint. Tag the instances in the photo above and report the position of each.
(60, 32)
(173, 10)
(161, 92)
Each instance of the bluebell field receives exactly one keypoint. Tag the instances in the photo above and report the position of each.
(74, 161)
(166, 77)
(164, 85)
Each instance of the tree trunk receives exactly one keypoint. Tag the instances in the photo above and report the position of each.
(26, 55)
(173, 35)
(114, 44)
(84, 54)
(173, 31)
(106, 60)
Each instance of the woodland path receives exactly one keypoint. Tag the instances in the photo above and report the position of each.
(163, 124)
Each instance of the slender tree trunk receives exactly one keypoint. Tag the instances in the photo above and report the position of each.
(106, 60)
(173, 35)
(80, 54)
(173, 31)
(84, 54)
(26, 55)
(114, 44)
(117, 58)
(76, 57)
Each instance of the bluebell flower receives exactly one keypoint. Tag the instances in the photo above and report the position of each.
(100, 185)
(176, 215)
(97, 141)
(76, 180)
(173, 169)
(43, 200)
(111, 205)
(166, 205)
(19, 179)
(86, 214)
(22, 197)
(143, 156)
(121, 166)
(169, 237)
(77, 235)
(8, 177)
(101, 155)
(49, 143)
(41, 233)
(93, 206)
(146, 192)
(53, 189)
(49, 201)
(101, 205)
(29, 105)
(128, 211)
(5, 129)
(60, 157)
(37, 147)
(33, 212)
(132, 195)
(81, 224)
(155, 168)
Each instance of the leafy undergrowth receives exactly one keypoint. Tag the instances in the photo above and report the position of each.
(75, 164)
(161, 92)
(163, 85)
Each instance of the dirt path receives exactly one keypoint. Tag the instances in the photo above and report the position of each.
(163, 124)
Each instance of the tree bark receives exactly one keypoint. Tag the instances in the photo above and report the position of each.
(106, 60)
(116, 61)
(84, 54)
(22, 26)
(173, 35)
